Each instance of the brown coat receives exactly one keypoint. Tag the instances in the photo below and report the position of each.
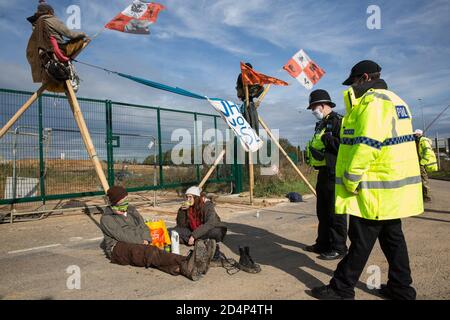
(44, 27)
(39, 39)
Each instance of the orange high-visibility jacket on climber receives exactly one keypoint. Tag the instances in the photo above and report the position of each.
(377, 170)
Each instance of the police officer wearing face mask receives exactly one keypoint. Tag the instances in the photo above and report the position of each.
(321, 154)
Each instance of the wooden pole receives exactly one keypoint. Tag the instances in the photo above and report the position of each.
(211, 170)
(261, 98)
(85, 135)
(279, 146)
(22, 109)
(86, 42)
(251, 176)
(287, 156)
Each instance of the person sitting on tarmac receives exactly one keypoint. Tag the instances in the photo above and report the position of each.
(127, 241)
(198, 219)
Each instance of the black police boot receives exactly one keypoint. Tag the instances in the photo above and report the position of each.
(313, 248)
(331, 255)
(328, 293)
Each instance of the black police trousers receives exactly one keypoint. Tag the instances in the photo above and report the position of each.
(363, 234)
(332, 231)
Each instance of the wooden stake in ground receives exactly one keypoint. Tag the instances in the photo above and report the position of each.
(85, 135)
(251, 176)
(211, 170)
(287, 156)
(280, 147)
(22, 109)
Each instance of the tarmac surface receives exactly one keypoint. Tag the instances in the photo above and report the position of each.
(38, 259)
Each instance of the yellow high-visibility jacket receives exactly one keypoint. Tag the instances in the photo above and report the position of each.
(315, 150)
(377, 170)
(427, 158)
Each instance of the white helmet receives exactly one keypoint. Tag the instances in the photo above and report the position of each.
(194, 190)
(418, 132)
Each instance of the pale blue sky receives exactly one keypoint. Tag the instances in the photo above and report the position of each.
(197, 45)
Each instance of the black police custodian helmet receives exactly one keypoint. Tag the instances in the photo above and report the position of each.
(320, 96)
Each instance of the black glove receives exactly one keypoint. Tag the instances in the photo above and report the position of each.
(327, 138)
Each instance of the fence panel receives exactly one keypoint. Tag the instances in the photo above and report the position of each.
(43, 156)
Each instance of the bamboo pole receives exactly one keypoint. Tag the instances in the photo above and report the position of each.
(287, 156)
(250, 154)
(211, 170)
(22, 109)
(85, 135)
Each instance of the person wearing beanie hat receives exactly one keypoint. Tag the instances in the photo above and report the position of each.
(198, 220)
(116, 193)
(377, 184)
(127, 241)
(321, 154)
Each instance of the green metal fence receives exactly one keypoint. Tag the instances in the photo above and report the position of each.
(43, 157)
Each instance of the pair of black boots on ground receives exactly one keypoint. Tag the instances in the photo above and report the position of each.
(246, 262)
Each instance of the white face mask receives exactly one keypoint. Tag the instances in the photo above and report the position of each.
(318, 114)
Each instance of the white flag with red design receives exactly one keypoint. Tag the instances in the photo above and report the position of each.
(302, 68)
(136, 18)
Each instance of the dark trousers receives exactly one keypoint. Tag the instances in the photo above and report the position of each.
(363, 234)
(141, 255)
(217, 234)
(332, 231)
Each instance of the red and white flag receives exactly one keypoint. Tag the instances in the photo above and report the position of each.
(302, 68)
(136, 18)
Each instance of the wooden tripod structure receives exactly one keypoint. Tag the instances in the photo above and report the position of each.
(74, 105)
(251, 173)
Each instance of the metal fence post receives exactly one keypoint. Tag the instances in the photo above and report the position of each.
(437, 151)
(41, 153)
(161, 174)
(197, 166)
(109, 143)
(237, 170)
(217, 149)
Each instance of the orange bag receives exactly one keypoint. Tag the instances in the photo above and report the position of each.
(159, 233)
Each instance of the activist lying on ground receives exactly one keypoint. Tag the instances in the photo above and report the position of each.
(127, 241)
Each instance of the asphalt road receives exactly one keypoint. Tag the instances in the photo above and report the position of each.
(38, 259)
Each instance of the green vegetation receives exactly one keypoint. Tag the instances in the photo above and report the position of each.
(440, 175)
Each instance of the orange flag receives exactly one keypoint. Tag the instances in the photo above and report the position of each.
(250, 76)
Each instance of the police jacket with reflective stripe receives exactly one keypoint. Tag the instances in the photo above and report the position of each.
(377, 170)
(326, 141)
